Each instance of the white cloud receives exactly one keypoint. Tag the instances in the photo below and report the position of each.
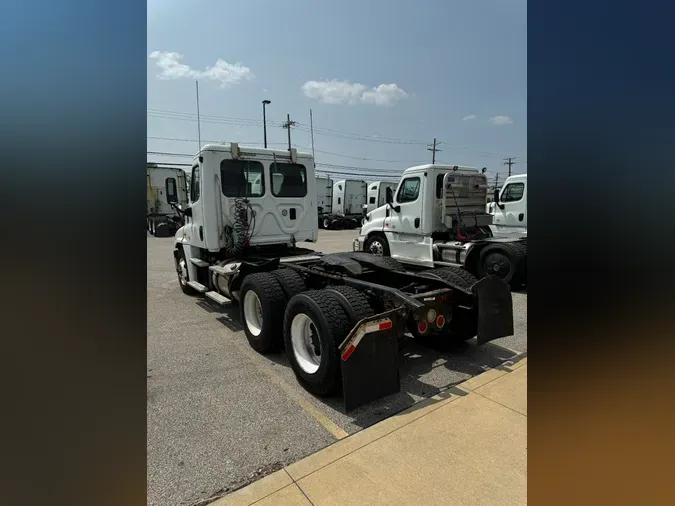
(469, 117)
(344, 92)
(501, 120)
(223, 72)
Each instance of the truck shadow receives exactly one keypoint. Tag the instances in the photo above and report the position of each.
(424, 372)
(228, 315)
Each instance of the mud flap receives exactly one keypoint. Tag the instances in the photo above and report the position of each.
(495, 309)
(370, 359)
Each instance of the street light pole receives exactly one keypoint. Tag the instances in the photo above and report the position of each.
(264, 103)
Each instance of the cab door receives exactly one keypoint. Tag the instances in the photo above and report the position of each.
(510, 213)
(403, 226)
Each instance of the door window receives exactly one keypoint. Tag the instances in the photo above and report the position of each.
(513, 192)
(409, 190)
(372, 200)
(171, 191)
(439, 185)
(194, 184)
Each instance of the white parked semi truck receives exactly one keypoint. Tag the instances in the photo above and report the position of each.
(509, 207)
(338, 316)
(437, 218)
(166, 188)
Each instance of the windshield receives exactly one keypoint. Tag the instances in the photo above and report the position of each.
(288, 180)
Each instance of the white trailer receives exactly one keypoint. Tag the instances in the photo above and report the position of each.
(324, 199)
(349, 197)
(166, 188)
(377, 194)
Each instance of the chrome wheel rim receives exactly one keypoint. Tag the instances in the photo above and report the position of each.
(306, 343)
(376, 248)
(182, 272)
(253, 313)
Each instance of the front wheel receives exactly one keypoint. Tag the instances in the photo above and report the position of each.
(183, 274)
(377, 245)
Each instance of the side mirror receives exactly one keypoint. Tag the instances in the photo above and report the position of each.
(184, 212)
(496, 195)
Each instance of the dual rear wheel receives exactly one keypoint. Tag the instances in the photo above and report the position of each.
(278, 310)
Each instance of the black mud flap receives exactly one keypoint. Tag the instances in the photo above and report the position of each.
(369, 358)
(495, 309)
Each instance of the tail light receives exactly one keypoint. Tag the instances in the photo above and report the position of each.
(440, 321)
(422, 327)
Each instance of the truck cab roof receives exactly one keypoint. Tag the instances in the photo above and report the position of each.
(439, 166)
(250, 150)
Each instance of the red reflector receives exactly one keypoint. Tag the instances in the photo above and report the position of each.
(348, 352)
(386, 325)
(440, 321)
(422, 327)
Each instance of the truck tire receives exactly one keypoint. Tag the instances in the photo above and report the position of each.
(292, 283)
(162, 230)
(377, 244)
(326, 223)
(183, 273)
(353, 301)
(468, 278)
(262, 302)
(314, 326)
(504, 260)
(152, 226)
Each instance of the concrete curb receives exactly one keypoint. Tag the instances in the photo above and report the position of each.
(287, 477)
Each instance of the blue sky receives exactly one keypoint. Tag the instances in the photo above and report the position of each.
(370, 70)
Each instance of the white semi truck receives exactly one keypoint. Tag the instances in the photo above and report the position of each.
(339, 315)
(438, 218)
(509, 207)
(166, 188)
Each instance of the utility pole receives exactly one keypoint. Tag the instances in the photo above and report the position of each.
(199, 128)
(509, 161)
(288, 126)
(311, 129)
(433, 150)
(264, 103)
(497, 181)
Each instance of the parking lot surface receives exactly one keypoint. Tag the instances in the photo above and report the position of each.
(220, 415)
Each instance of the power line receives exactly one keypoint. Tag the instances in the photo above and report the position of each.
(339, 134)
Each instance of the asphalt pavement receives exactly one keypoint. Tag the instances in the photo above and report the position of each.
(220, 415)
